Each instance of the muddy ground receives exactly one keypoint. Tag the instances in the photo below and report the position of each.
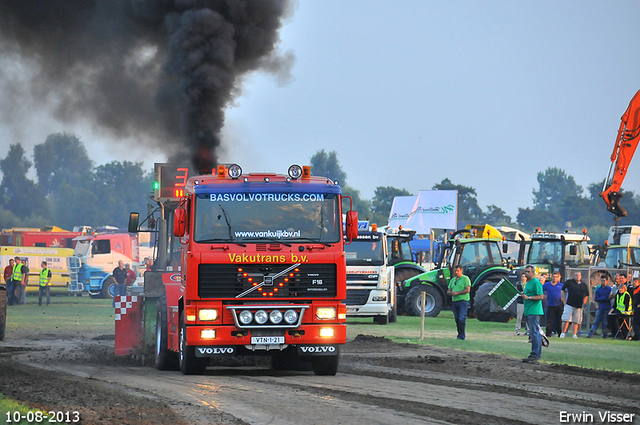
(32, 371)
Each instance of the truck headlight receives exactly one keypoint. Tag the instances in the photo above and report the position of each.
(261, 317)
(290, 316)
(275, 317)
(326, 313)
(245, 317)
(208, 314)
(208, 334)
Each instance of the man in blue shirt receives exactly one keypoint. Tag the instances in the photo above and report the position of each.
(602, 293)
(553, 296)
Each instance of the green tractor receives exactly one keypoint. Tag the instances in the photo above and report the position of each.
(481, 260)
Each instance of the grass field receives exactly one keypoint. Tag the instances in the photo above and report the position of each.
(79, 315)
(499, 338)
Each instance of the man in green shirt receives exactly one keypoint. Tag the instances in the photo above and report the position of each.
(459, 288)
(532, 296)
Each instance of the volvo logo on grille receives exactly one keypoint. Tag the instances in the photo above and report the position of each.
(326, 350)
(214, 351)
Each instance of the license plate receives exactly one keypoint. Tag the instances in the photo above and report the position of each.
(267, 340)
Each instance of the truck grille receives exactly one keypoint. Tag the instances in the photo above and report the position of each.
(230, 280)
(357, 296)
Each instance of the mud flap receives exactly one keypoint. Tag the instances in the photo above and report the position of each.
(129, 325)
(318, 350)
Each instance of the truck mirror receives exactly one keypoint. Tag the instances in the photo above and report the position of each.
(352, 225)
(179, 222)
(573, 250)
(505, 248)
(134, 219)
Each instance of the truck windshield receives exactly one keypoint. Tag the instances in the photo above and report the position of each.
(364, 253)
(270, 217)
(545, 252)
(82, 249)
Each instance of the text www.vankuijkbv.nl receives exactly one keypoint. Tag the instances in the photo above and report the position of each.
(278, 234)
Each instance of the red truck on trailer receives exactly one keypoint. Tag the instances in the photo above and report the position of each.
(261, 272)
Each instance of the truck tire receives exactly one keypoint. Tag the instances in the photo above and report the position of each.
(165, 358)
(433, 301)
(326, 365)
(393, 314)
(189, 363)
(108, 288)
(486, 309)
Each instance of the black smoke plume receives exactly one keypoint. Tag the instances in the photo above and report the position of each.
(162, 70)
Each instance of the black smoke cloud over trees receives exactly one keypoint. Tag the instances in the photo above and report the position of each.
(157, 70)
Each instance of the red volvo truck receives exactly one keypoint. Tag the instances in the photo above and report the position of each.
(253, 264)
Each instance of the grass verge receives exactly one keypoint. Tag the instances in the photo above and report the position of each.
(500, 338)
(11, 410)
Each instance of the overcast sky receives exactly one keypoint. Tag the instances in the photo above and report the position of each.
(408, 93)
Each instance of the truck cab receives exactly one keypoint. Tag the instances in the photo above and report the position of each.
(370, 277)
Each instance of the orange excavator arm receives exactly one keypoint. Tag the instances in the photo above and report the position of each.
(623, 151)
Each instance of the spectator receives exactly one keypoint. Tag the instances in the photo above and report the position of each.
(532, 296)
(459, 288)
(574, 295)
(601, 296)
(635, 299)
(25, 279)
(620, 312)
(131, 275)
(8, 277)
(16, 282)
(553, 296)
(520, 305)
(45, 284)
(120, 275)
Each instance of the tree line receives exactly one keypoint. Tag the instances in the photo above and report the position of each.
(559, 203)
(70, 190)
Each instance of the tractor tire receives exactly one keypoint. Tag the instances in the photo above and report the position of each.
(108, 288)
(400, 276)
(433, 301)
(165, 358)
(487, 310)
(189, 363)
(326, 365)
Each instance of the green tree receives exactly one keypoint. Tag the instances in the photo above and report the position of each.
(122, 186)
(62, 158)
(18, 193)
(554, 186)
(363, 206)
(530, 219)
(468, 209)
(496, 216)
(382, 202)
(327, 165)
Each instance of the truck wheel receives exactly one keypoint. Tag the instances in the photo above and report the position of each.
(165, 358)
(393, 314)
(433, 301)
(381, 320)
(108, 288)
(189, 363)
(486, 309)
(326, 365)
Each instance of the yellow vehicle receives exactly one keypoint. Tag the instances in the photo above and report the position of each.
(56, 259)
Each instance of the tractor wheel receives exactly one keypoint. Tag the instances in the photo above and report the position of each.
(433, 301)
(165, 358)
(486, 309)
(400, 276)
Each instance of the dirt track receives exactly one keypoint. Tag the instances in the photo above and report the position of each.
(379, 383)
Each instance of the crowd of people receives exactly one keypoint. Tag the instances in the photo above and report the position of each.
(562, 306)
